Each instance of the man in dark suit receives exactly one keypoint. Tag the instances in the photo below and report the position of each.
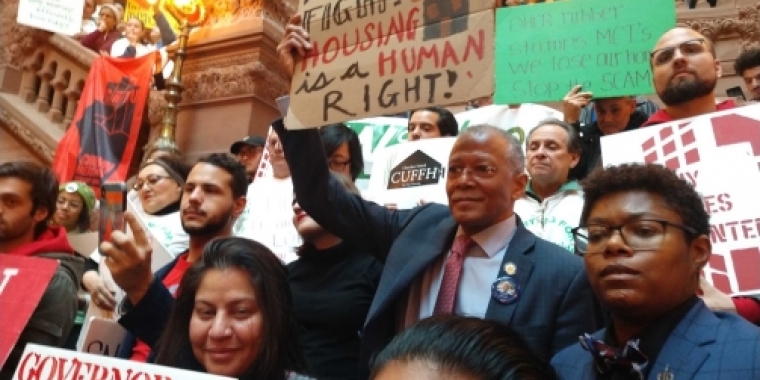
(645, 236)
(473, 257)
(508, 274)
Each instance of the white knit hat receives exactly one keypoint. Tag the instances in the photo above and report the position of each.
(116, 11)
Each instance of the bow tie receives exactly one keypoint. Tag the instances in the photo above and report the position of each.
(628, 361)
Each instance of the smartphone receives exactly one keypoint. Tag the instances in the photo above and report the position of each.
(113, 204)
(736, 92)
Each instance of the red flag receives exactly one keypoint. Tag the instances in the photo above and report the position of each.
(101, 140)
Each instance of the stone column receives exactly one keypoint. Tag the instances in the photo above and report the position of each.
(231, 75)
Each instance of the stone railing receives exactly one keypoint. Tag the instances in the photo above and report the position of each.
(44, 101)
(53, 78)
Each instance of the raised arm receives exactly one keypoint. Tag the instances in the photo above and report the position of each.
(360, 222)
(167, 33)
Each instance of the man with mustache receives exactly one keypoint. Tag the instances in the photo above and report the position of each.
(685, 71)
(473, 257)
(212, 198)
(553, 199)
(645, 237)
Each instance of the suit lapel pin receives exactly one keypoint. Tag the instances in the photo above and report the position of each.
(510, 269)
(665, 374)
(505, 290)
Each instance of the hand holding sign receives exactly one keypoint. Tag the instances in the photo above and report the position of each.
(129, 259)
(294, 45)
(573, 102)
(379, 58)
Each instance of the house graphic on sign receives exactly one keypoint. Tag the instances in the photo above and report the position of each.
(418, 169)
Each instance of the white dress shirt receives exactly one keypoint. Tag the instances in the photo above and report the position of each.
(481, 265)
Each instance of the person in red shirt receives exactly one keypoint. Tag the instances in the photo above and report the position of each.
(212, 198)
(685, 71)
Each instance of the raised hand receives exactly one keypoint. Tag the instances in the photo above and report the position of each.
(573, 102)
(295, 43)
(156, 6)
(129, 258)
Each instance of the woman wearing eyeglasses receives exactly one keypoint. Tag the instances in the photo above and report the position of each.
(158, 187)
(344, 153)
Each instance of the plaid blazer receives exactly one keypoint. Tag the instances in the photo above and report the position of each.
(704, 345)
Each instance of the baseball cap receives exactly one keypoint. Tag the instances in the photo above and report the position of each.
(250, 141)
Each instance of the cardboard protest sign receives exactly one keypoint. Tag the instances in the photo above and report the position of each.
(64, 17)
(42, 362)
(143, 11)
(102, 337)
(719, 154)
(383, 57)
(23, 281)
(603, 45)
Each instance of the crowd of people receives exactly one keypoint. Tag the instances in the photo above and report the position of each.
(544, 264)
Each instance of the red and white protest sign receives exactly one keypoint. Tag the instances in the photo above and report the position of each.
(719, 154)
(41, 362)
(23, 280)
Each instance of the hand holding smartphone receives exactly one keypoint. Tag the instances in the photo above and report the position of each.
(113, 204)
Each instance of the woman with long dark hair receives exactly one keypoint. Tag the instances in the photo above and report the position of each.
(233, 315)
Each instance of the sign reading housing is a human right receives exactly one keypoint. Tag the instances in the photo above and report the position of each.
(372, 58)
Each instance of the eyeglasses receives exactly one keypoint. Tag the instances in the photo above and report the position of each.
(338, 165)
(150, 181)
(639, 235)
(687, 48)
(478, 171)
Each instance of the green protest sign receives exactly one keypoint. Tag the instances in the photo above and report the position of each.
(543, 50)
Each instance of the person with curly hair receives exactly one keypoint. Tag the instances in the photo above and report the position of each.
(645, 237)
(747, 65)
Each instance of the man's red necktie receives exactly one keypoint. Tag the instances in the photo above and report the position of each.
(452, 271)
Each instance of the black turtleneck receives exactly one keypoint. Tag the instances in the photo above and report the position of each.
(174, 207)
(332, 292)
